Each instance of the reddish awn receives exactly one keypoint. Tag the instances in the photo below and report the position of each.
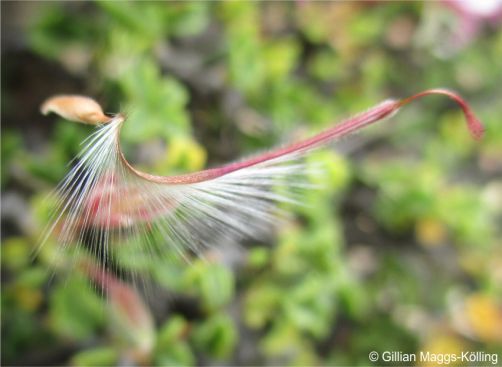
(104, 200)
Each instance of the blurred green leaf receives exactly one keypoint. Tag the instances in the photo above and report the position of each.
(11, 142)
(157, 104)
(15, 253)
(96, 357)
(261, 304)
(75, 311)
(172, 348)
(213, 283)
(56, 29)
(216, 335)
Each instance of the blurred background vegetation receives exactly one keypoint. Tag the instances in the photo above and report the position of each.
(399, 250)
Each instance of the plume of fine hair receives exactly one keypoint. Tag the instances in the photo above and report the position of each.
(104, 200)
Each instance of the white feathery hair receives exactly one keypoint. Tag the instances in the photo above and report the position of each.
(104, 200)
(101, 200)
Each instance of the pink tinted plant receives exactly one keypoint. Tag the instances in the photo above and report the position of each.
(132, 322)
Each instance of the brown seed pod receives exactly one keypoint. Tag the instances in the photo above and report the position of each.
(75, 108)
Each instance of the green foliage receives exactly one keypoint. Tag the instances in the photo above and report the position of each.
(11, 141)
(172, 349)
(395, 244)
(158, 98)
(216, 335)
(95, 357)
(213, 283)
(76, 312)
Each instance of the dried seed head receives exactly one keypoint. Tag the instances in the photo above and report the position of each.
(76, 108)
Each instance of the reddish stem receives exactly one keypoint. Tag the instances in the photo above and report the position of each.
(474, 125)
(346, 127)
